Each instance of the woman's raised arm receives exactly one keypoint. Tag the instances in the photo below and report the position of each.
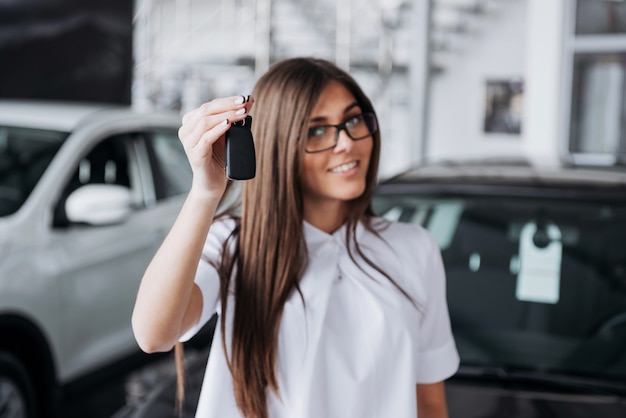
(168, 302)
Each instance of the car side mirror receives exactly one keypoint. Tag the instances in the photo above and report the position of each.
(98, 204)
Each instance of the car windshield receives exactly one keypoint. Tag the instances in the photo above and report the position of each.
(24, 155)
(533, 284)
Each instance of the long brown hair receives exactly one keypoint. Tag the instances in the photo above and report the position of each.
(270, 254)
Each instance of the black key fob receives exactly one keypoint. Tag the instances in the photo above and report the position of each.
(240, 161)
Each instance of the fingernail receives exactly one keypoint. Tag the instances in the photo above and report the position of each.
(241, 111)
(225, 122)
(240, 100)
(250, 98)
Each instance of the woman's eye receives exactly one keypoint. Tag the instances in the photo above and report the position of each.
(316, 131)
(353, 121)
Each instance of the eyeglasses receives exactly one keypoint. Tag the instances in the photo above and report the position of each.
(325, 137)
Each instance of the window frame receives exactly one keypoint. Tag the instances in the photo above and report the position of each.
(573, 45)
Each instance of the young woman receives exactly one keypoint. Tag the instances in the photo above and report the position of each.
(325, 310)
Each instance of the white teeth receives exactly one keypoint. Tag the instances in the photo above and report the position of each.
(344, 167)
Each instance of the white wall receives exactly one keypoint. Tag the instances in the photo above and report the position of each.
(517, 39)
(457, 98)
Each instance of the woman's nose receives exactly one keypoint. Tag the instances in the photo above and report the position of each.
(344, 142)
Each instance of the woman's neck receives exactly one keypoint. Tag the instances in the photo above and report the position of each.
(327, 217)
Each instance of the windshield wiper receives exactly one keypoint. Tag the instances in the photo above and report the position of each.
(558, 381)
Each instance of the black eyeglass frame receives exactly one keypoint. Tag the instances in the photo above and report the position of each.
(343, 127)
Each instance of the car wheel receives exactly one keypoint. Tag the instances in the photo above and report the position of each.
(17, 398)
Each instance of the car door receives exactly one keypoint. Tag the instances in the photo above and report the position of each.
(103, 264)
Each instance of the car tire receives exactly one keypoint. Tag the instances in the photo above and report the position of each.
(17, 397)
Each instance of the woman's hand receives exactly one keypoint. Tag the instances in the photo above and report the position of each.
(202, 134)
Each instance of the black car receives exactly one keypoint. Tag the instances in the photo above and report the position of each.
(536, 269)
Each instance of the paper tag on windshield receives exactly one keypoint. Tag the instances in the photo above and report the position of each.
(539, 277)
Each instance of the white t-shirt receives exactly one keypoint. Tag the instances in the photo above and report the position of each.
(360, 346)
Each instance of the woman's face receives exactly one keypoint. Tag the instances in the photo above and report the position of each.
(337, 175)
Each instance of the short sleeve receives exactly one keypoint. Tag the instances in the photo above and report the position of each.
(438, 358)
(207, 277)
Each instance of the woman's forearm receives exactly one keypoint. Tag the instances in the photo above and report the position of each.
(166, 302)
(431, 400)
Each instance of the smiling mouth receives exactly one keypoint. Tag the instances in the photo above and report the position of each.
(344, 167)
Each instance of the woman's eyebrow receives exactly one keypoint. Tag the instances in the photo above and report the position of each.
(324, 118)
(350, 106)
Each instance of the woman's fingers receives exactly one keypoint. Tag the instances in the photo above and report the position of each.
(203, 130)
(231, 107)
(203, 119)
(208, 138)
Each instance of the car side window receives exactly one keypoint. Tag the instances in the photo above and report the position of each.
(106, 163)
(171, 169)
(24, 156)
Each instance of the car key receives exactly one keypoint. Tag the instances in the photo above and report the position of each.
(240, 161)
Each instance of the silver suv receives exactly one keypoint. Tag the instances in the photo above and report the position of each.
(87, 194)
